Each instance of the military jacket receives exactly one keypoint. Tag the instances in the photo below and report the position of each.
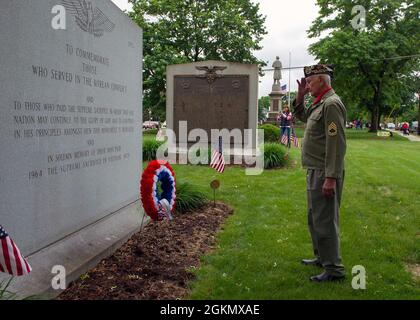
(324, 142)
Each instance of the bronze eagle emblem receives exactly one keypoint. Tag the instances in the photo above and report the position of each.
(90, 20)
(210, 74)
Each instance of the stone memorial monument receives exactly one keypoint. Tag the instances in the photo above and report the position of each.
(70, 136)
(213, 95)
(276, 93)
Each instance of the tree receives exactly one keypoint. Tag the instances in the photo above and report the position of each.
(285, 98)
(364, 74)
(179, 31)
(263, 107)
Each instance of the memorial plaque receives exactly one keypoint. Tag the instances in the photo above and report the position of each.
(213, 95)
(70, 114)
(219, 104)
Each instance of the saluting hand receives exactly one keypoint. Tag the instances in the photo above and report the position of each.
(303, 90)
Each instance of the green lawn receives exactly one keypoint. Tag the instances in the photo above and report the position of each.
(260, 246)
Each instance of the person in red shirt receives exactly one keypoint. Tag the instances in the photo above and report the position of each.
(405, 127)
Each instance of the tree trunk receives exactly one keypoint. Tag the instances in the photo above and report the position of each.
(197, 53)
(379, 118)
(375, 113)
(374, 122)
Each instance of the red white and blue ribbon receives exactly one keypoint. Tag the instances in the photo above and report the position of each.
(158, 206)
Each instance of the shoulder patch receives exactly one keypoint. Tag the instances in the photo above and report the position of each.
(332, 129)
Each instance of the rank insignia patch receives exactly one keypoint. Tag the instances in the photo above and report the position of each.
(332, 129)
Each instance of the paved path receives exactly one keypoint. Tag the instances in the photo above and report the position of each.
(411, 137)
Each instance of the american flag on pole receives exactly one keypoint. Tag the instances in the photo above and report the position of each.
(217, 159)
(283, 89)
(11, 260)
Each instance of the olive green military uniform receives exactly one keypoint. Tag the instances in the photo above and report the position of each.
(323, 151)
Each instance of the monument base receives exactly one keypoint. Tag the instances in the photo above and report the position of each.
(77, 253)
(232, 155)
(275, 104)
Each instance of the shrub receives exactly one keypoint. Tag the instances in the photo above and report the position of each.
(271, 132)
(274, 155)
(188, 198)
(150, 148)
(151, 131)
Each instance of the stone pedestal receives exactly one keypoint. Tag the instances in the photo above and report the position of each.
(275, 104)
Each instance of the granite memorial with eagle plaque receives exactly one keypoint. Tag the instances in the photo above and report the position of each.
(70, 135)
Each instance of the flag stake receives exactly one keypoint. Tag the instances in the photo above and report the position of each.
(214, 197)
(215, 184)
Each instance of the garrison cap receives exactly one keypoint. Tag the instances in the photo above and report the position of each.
(319, 69)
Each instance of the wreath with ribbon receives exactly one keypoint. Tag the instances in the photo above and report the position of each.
(158, 205)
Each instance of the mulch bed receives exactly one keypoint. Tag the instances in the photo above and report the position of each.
(155, 262)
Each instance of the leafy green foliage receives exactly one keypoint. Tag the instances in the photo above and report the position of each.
(410, 113)
(271, 132)
(263, 107)
(274, 156)
(285, 99)
(364, 76)
(188, 198)
(151, 131)
(179, 31)
(150, 148)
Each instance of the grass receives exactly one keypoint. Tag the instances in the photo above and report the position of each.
(260, 246)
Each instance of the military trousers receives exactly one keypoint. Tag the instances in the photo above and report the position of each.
(323, 221)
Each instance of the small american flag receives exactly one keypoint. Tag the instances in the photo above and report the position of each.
(284, 139)
(294, 138)
(217, 159)
(283, 88)
(11, 260)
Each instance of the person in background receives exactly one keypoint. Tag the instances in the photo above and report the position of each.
(286, 119)
(405, 128)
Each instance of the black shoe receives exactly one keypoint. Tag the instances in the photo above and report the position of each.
(312, 262)
(325, 277)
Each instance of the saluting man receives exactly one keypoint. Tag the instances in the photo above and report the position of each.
(323, 151)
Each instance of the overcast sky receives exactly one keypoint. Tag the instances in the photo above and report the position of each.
(286, 23)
